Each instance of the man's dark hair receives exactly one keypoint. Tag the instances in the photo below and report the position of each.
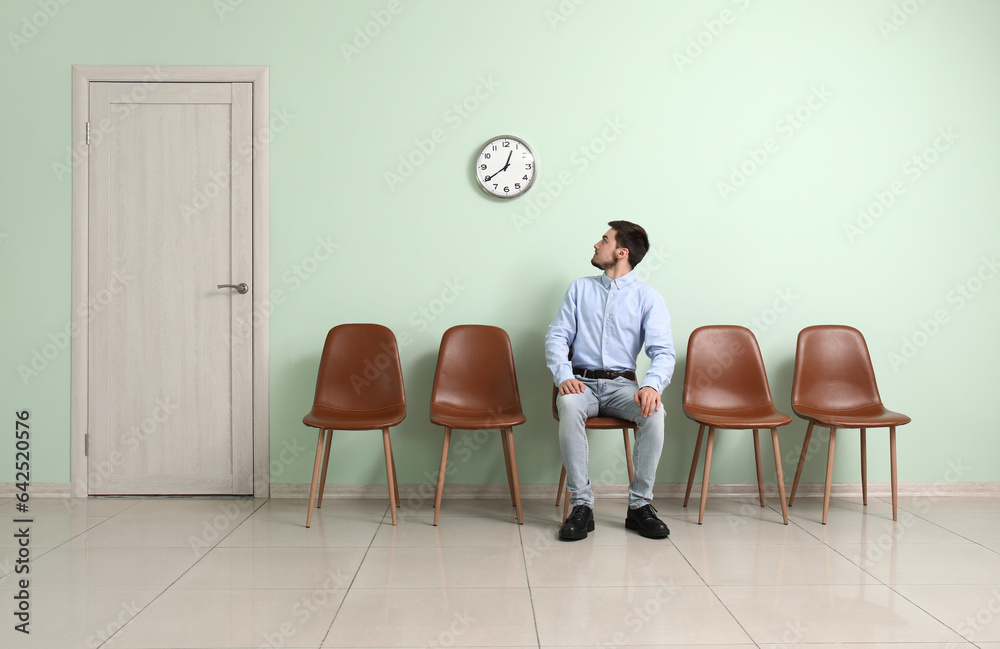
(631, 236)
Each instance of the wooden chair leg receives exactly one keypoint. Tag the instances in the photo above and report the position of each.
(390, 473)
(315, 477)
(829, 472)
(440, 484)
(326, 465)
(704, 479)
(864, 469)
(566, 506)
(559, 489)
(506, 464)
(694, 464)
(394, 479)
(513, 472)
(892, 466)
(780, 475)
(628, 456)
(802, 461)
(760, 470)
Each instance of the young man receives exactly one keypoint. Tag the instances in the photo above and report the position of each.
(608, 319)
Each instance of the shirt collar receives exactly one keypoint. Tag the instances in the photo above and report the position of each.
(619, 283)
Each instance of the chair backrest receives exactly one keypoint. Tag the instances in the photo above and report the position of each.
(833, 370)
(724, 370)
(475, 371)
(360, 369)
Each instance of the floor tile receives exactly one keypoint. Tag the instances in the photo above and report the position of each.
(665, 614)
(741, 530)
(951, 504)
(972, 611)
(481, 507)
(194, 508)
(246, 572)
(86, 507)
(442, 567)
(49, 531)
(231, 618)
(883, 645)
(794, 615)
(65, 619)
(278, 532)
(585, 564)
(273, 568)
(849, 527)
(810, 508)
(983, 528)
(298, 507)
(414, 531)
(721, 505)
(722, 564)
(452, 617)
(168, 532)
(925, 563)
(83, 569)
(746, 645)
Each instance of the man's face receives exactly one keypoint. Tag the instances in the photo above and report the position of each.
(605, 250)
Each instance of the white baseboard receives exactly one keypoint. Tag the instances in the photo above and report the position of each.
(661, 490)
(38, 490)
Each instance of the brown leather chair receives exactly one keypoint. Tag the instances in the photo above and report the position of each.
(359, 387)
(595, 423)
(475, 388)
(834, 386)
(725, 386)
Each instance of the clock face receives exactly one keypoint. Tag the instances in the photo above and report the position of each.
(505, 167)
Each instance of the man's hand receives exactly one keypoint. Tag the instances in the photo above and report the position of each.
(647, 398)
(572, 386)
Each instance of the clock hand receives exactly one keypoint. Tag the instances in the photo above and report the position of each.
(503, 168)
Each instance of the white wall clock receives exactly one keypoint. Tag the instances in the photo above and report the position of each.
(505, 167)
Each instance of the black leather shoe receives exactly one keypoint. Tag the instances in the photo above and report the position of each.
(644, 521)
(580, 521)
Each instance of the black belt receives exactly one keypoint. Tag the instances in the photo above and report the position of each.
(602, 374)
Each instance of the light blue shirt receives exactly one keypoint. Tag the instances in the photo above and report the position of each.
(608, 321)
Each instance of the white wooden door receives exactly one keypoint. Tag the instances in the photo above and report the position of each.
(170, 354)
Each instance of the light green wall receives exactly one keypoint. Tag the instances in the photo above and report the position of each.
(874, 83)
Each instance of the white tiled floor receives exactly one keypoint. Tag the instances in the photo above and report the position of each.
(200, 573)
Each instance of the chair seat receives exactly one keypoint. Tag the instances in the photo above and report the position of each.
(874, 416)
(766, 416)
(335, 418)
(472, 420)
(608, 423)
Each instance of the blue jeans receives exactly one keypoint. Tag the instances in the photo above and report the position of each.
(608, 398)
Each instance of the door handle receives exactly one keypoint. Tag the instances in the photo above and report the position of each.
(241, 288)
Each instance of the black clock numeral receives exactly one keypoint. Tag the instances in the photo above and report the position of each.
(506, 144)
(525, 177)
(486, 155)
(494, 147)
(506, 190)
(483, 167)
(517, 185)
(528, 166)
(495, 185)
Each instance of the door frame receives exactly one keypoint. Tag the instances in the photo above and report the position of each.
(83, 75)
